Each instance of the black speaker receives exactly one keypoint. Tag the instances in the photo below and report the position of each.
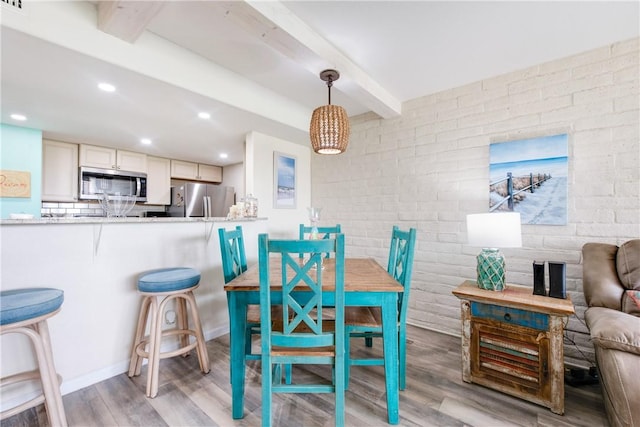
(539, 287)
(557, 280)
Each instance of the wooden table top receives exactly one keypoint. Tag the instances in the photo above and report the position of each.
(361, 275)
(515, 296)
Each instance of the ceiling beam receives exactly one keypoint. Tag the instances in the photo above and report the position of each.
(279, 28)
(126, 20)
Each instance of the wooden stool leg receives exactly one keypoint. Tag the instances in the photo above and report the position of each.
(155, 338)
(135, 365)
(53, 400)
(203, 355)
(182, 321)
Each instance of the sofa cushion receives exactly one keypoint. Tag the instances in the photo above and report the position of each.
(613, 329)
(628, 264)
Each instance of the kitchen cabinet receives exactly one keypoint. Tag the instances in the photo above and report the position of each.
(195, 171)
(59, 171)
(512, 341)
(158, 181)
(110, 158)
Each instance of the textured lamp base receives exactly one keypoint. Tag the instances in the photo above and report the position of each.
(490, 270)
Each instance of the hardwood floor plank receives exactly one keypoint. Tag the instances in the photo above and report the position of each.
(435, 395)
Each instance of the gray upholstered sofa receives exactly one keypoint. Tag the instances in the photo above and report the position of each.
(611, 284)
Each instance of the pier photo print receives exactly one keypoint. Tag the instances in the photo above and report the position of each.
(529, 176)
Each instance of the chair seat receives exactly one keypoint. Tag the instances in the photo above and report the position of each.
(363, 316)
(17, 305)
(168, 279)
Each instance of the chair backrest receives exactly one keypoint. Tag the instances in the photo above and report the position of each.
(401, 264)
(301, 293)
(323, 233)
(234, 260)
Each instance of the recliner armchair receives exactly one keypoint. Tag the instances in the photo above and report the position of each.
(611, 285)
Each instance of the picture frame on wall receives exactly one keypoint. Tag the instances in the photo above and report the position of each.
(530, 176)
(284, 177)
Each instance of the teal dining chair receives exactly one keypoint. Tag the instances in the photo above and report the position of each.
(367, 321)
(234, 263)
(296, 336)
(323, 232)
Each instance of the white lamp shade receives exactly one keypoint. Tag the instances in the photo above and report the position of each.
(494, 230)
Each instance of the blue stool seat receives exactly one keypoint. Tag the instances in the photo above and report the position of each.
(168, 279)
(25, 312)
(17, 305)
(161, 289)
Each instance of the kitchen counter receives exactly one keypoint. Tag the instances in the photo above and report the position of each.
(105, 220)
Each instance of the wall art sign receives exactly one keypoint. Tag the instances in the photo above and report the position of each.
(530, 176)
(284, 176)
(15, 184)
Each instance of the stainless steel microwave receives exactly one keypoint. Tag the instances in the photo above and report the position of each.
(95, 182)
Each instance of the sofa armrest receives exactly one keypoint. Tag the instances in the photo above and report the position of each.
(613, 329)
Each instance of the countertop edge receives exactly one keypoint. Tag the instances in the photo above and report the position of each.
(105, 220)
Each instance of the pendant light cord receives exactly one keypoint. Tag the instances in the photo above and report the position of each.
(329, 84)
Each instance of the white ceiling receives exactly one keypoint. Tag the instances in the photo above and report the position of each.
(254, 65)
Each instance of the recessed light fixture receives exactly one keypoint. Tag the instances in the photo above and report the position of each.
(145, 141)
(223, 155)
(19, 117)
(107, 87)
(204, 115)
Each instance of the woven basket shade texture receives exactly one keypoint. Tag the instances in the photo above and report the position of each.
(329, 129)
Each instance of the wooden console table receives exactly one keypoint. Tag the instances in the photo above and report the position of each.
(512, 341)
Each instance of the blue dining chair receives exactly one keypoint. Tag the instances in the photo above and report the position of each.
(367, 321)
(323, 232)
(234, 263)
(297, 337)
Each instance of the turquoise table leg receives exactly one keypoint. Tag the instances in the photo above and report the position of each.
(238, 324)
(390, 338)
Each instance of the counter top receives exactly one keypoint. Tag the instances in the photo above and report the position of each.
(105, 220)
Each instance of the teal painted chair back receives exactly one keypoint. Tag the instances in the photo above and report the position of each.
(400, 265)
(323, 233)
(301, 335)
(234, 260)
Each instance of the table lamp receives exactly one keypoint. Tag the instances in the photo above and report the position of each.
(492, 231)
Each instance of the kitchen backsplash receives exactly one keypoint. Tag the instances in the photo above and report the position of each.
(88, 209)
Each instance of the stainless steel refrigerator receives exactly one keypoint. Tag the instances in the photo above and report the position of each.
(193, 199)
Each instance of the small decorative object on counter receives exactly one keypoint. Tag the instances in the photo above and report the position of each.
(250, 206)
(116, 205)
(236, 211)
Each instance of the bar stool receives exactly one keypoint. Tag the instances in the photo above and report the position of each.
(25, 311)
(158, 288)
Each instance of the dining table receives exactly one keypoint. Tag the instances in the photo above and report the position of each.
(366, 283)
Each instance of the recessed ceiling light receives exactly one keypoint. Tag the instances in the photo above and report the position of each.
(145, 141)
(223, 155)
(204, 115)
(19, 117)
(107, 87)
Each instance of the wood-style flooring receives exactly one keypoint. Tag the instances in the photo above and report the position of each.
(435, 396)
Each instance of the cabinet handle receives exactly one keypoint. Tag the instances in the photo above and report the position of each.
(507, 317)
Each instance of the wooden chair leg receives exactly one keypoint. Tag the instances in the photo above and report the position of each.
(402, 357)
(203, 355)
(182, 321)
(155, 337)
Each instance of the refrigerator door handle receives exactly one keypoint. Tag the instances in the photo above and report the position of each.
(207, 206)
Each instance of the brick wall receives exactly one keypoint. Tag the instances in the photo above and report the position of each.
(429, 168)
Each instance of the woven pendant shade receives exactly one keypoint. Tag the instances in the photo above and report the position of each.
(329, 128)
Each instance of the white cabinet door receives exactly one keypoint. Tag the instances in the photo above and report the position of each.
(130, 161)
(97, 157)
(209, 173)
(59, 171)
(110, 158)
(184, 170)
(158, 181)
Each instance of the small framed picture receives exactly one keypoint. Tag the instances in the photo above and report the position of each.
(284, 181)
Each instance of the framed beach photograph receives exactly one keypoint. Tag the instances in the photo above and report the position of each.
(530, 176)
(284, 176)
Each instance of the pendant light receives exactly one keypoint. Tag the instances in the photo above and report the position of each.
(329, 129)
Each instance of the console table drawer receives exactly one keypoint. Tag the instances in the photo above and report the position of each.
(509, 315)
